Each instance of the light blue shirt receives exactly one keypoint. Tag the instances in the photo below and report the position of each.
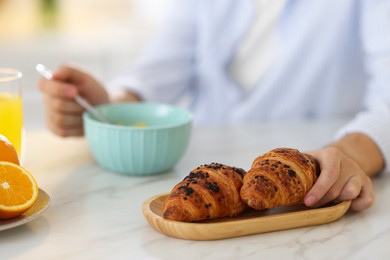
(333, 60)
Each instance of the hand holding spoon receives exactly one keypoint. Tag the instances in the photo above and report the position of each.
(48, 74)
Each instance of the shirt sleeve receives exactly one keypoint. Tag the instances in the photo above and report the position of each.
(165, 72)
(374, 121)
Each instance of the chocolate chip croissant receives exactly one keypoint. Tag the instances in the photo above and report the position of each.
(281, 177)
(208, 192)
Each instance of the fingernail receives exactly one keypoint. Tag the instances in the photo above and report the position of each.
(309, 200)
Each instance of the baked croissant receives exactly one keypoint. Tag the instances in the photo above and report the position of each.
(209, 191)
(281, 177)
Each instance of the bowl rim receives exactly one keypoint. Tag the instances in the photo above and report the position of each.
(87, 116)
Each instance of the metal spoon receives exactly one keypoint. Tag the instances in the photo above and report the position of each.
(48, 74)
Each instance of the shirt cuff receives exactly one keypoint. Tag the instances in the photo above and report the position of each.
(376, 125)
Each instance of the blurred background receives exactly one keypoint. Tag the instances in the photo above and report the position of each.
(103, 37)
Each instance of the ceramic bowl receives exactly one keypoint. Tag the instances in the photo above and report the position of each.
(142, 139)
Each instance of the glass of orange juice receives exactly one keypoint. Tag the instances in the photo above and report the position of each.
(11, 107)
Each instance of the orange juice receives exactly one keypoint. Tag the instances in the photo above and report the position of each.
(11, 119)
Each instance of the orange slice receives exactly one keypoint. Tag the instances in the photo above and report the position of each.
(7, 151)
(18, 190)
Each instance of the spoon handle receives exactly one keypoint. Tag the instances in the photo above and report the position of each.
(48, 74)
(90, 109)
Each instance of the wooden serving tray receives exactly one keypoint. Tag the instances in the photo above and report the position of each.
(248, 223)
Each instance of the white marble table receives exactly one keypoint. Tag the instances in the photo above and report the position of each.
(96, 214)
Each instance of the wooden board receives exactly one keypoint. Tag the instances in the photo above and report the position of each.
(248, 223)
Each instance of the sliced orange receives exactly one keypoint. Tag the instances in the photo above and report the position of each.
(18, 190)
(7, 151)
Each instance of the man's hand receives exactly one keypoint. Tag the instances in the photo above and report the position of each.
(346, 167)
(63, 114)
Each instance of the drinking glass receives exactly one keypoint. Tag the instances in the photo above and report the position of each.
(11, 107)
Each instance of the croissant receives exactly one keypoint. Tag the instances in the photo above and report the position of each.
(209, 191)
(281, 177)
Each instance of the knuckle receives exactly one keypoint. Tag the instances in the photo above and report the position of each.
(351, 191)
(363, 203)
(370, 201)
(63, 68)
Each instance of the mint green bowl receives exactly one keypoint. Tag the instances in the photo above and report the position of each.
(126, 148)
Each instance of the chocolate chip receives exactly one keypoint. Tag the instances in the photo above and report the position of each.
(214, 166)
(240, 171)
(291, 173)
(207, 205)
(187, 190)
(198, 175)
(211, 186)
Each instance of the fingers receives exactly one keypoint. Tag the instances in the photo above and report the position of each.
(57, 89)
(64, 124)
(63, 114)
(365, 199)
(351, 189)
(59, 105)
(68, 74)
(330, 164)
(66, 132)
(342, 190)
(340, 179)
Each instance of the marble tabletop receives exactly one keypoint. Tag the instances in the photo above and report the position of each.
(96, 214)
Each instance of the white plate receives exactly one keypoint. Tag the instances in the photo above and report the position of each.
(42, 204)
